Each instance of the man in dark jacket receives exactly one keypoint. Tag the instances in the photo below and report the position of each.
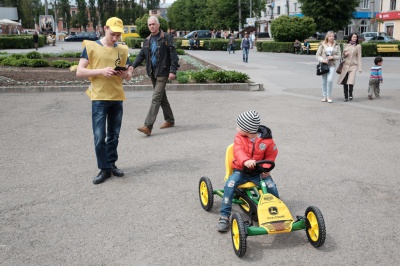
(161, 65)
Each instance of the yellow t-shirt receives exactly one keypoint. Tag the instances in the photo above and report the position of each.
(101, 87)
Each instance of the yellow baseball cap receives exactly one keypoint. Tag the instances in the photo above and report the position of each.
(115, 24)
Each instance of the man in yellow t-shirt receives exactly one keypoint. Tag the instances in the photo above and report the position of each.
(99, 61)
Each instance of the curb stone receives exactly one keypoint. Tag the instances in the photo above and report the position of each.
(172, 87)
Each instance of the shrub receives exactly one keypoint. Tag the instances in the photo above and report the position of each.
(22, 62)
(199, 76)
(71, 54)
(34, 55)
(61, 64)
(182, 79)
(180, 52)
(39, 63)
(17, 56)
(135, 43)
(288, 29)
(9, 61)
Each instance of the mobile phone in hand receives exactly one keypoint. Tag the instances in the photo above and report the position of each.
(119, 68)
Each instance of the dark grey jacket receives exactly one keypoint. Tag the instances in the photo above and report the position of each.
(167, 58)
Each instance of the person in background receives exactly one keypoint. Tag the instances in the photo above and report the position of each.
(162, 63)
(352, 55)
(231, 43)
(296, 46)
(35, 38)
(305, 47)
(375, 78)
(328, 52)
(245, 45)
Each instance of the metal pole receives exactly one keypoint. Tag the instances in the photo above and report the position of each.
(251, 8)
(240, 17)
(287, 7)
(46, 8)
(373, 16)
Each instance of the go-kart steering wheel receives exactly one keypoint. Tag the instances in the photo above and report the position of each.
(258, 169)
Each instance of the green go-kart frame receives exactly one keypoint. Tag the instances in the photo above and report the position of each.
(269, 212)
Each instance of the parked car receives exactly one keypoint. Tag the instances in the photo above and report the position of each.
(92, 36)
(201, 34)
(382, 39)
(370, 34)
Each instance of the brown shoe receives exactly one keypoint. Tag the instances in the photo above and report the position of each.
(145, 130)
(167, 125)
(370, 97)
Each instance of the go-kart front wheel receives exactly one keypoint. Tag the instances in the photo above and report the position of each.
(206, 193)
(316, 231)
(238, 233)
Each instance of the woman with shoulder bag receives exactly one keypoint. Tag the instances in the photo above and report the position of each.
(328, 52)
(352, 56)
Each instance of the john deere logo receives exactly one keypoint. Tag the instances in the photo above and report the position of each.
(273, 210)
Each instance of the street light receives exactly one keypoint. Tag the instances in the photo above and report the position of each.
(373, 16)
(54, 7)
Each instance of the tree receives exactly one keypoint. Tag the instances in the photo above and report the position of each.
(82, 16)
(329, 14)
(64, 12)
(152, 4)
(288, 29)
(93, 14)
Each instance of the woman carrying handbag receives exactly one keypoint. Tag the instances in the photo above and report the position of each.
(328, 52)
(352, 56)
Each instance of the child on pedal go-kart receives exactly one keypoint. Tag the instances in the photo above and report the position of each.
(253, 142)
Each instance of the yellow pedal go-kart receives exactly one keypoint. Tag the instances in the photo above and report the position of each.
(269, 212)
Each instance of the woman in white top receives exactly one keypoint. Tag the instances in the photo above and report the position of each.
(328, 52)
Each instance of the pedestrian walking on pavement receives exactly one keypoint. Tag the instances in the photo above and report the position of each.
(162, 63)
(245, 45)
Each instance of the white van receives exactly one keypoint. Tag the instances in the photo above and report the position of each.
(369, 35)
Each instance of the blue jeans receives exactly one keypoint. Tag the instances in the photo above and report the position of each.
(238, 178)
(327, 82)
(245, 54)
(110, 113)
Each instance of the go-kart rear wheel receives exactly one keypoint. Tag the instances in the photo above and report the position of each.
(316, 231)
(238, 233)
(206, 193)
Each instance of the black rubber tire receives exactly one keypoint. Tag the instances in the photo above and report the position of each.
(206, 195)
(238, 235)
(316, 231)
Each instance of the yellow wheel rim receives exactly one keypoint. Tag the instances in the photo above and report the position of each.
(204, 193)
(235, 234)
(313, 231)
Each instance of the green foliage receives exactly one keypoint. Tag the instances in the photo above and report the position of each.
(329, 14)
(182, 78)
(17, 56)
(22, 62)
(220, 76)
(199, 76)
(39, 63)
(70, 54)
(60, 64)
(34, 55)
(180, 52)
(288, 29)
(143, 29)
(133, 42)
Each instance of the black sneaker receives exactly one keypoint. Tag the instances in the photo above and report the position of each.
(223, 225)
(116, 172)
(102, 176)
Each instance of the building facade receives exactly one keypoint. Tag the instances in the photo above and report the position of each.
(388, 18)
(364, 18)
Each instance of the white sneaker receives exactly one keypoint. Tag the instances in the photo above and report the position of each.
(329, 100)
(323, 100)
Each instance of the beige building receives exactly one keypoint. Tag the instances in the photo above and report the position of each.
(389, 18)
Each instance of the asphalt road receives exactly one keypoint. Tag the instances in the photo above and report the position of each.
(341, 157)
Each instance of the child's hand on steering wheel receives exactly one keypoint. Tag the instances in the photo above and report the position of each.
(250, 164)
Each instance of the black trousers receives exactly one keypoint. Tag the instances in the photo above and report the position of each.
(347, 88)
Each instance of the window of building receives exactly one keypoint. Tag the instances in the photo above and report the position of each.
(363, 26)
(295, 7)
(392, 4)
(365, 4)
(278, 10)
(73, 13)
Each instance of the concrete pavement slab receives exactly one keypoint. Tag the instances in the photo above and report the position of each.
(341, 157)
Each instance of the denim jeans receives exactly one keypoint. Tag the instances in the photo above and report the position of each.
(245, 54)
(238, 178)
(327, 82)
(159, 100)
(110, 113)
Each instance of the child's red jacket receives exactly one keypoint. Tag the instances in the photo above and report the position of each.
(264, 148)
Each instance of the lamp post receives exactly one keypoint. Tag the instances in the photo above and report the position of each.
(373, 16)
(54, 6)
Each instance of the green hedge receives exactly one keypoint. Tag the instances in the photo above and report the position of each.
(23, 41)
(368, 49)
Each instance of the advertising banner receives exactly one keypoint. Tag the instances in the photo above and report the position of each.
(46, 24)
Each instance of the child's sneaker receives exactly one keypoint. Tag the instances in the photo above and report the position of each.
(223, 224)
(370, 97)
